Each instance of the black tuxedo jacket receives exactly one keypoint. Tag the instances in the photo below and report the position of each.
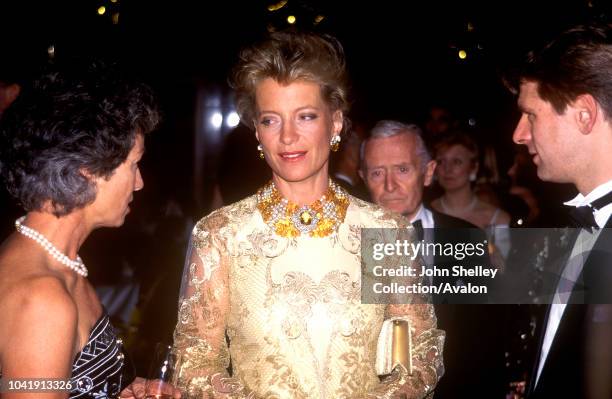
(579, 362)
(473, 348)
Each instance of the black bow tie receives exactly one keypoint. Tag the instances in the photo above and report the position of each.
(582, 216)
(418, 226)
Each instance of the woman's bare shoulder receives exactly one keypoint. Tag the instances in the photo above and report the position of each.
(37, 293)
(29, 291)
(40, 334)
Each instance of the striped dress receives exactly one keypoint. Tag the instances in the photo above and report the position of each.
(97, 369)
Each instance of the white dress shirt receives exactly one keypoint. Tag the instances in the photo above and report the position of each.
(425, 216)
(601, 215)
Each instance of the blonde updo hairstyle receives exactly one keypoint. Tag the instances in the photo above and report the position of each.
(287, 57)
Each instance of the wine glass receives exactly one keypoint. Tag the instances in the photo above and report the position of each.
(160, 379)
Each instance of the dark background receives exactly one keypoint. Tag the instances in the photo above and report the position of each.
(402, 58)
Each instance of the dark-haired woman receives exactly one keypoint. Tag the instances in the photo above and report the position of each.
(69, 153)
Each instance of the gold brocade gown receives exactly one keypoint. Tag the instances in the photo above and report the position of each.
(287, 312)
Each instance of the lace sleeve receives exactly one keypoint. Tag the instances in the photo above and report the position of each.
(199, 336)
(426, 348)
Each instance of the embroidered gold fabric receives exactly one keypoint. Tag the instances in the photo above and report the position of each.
(287, 312)
(319, 219)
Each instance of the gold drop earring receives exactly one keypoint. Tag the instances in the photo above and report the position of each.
(334, 144)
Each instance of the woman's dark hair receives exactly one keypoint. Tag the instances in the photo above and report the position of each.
(76, 119)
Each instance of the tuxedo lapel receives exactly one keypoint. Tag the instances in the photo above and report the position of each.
(536, 364)
(558, 269)
(565, 360)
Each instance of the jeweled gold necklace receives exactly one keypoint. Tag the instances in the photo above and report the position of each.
(319, 219)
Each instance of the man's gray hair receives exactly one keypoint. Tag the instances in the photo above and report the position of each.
(389, 128)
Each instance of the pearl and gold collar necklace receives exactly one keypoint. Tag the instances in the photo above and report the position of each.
(287, 219)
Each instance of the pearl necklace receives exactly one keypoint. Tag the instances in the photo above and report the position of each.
(76, 265)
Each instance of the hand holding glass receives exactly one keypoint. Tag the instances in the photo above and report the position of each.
(161, 373)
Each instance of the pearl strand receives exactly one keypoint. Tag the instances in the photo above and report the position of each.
(76, 265)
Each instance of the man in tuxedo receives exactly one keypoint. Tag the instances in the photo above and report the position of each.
(396, 167)
(565, 97)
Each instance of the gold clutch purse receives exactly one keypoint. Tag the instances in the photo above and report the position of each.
(394, 346)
